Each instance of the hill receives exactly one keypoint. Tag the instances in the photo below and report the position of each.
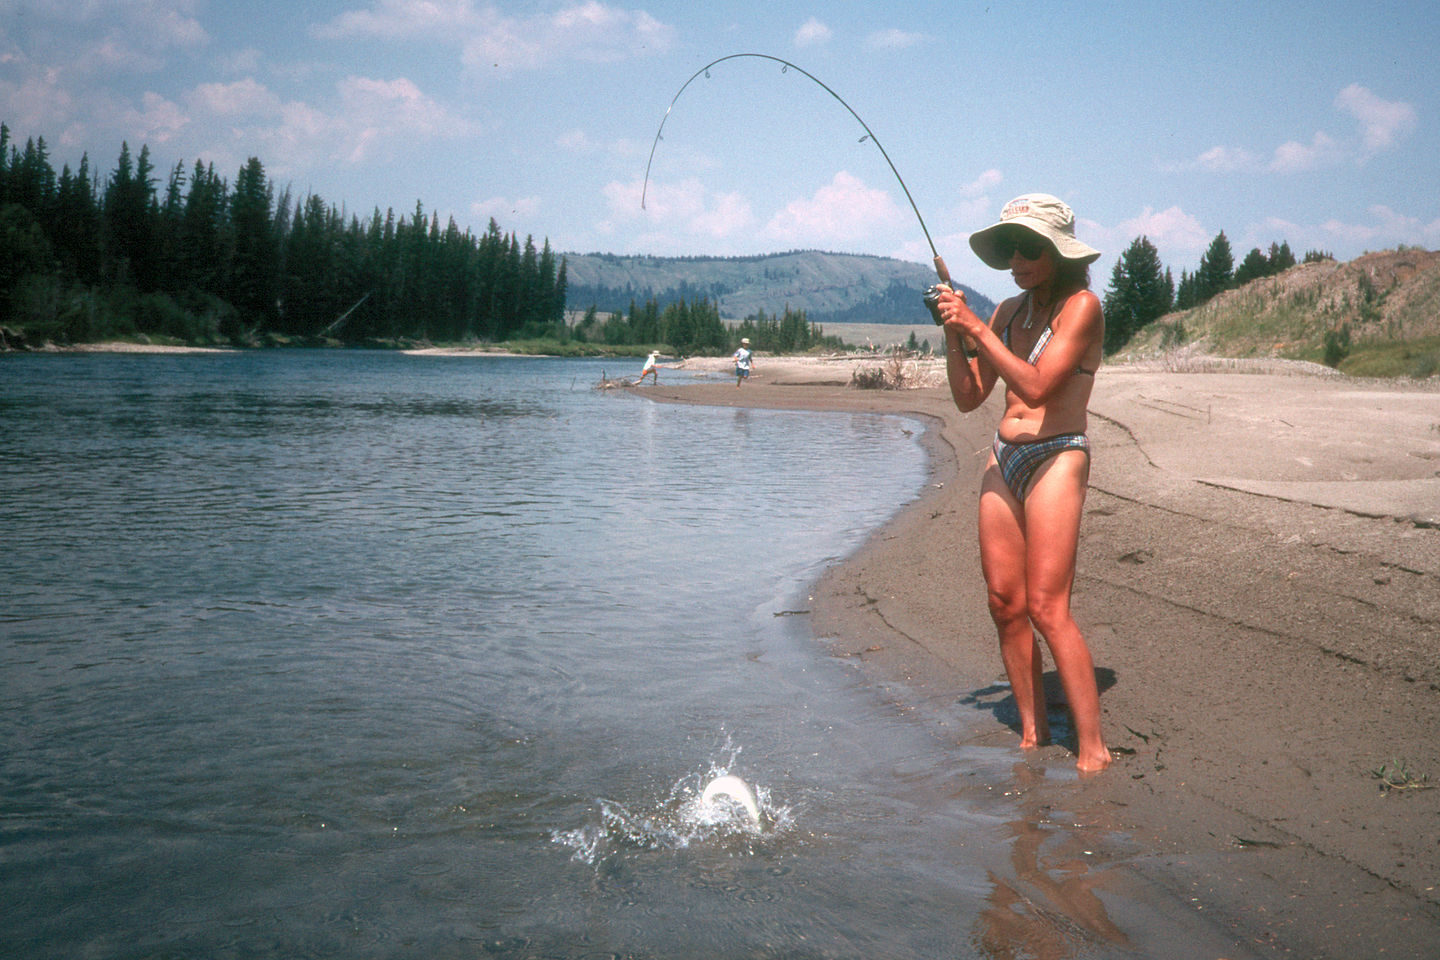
(829, 287)
(1376, 315)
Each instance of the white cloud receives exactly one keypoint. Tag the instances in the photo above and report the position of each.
(973, 209)
(246, 61)
(1380, 227)
(402, 18)
(117, 54)
(1294, 157)
(665, 204)
(369, 118)
(398, 103)
(36, 103)
(241, 98)
(842, 211)
(1172, 231)
(576, 141)
(379, 116)
(893, 39)
(983, 184)
(684, 209)
(87, 38)
(63, 59)
(159, 120)
(492, 40)
(1386, 228)
(728, 215)
(591, 32)
(1382, 122)
(812, 33)
(1225, 160)
(163, 23)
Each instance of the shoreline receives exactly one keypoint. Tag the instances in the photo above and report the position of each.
(1257, 578)
(126, 346)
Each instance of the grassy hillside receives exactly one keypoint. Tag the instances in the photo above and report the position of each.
(829, 287)
(884, 335)
(1376, 315)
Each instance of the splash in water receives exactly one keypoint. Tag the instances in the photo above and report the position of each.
(737, 791)
(716, 807)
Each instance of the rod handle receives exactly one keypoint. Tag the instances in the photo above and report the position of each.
(942, 271)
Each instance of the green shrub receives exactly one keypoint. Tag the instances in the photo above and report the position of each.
(1337, 345)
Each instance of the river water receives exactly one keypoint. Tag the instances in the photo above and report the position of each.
(373, 655)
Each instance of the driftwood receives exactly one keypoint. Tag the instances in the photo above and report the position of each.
(614, 383)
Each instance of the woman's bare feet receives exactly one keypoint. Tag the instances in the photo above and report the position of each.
(1035, 739)
(1089, 762)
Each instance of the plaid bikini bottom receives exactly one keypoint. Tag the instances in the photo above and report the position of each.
(1019, 461)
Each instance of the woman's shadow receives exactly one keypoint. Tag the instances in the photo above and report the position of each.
(1000, 703)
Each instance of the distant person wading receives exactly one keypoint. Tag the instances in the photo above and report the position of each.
(650, 370)
(1046, 345)
(743, 359)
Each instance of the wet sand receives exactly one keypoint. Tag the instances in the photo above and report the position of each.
(1259, 580)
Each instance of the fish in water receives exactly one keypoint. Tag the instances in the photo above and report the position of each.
(738, 790)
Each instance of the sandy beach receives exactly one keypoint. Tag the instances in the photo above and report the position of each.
(1259, 580)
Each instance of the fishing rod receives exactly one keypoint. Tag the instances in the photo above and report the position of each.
(941, 270)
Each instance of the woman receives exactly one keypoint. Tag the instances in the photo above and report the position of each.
(1046, 345)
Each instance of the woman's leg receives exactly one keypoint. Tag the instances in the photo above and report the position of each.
(1002, 559)
(1052, 512)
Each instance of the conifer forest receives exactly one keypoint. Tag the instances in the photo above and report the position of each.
(189, 254)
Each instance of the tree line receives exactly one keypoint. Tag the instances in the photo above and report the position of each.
(1142, 290)
(695, 327)
(83, 257)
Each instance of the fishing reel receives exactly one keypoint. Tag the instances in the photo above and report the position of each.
(932, 301)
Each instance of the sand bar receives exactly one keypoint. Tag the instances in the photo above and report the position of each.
(1259, 578)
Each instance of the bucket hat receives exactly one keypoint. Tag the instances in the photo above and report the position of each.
(1041, 213)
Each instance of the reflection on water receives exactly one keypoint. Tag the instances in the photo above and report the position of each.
(1046, 907)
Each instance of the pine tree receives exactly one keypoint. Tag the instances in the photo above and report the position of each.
(1253, 267)
(1138, 294)
(204, 252)
(1216, 265)
(558, 298)
(131, 219)
(76, 229)
(4, 164)
(1281, 257)
(1185, 291)
(254, 278)
(31, 181)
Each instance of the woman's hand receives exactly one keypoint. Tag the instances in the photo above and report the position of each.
(957, 315)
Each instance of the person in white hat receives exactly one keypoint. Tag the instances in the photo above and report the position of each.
(1045, 344)
(650, 370)
(743, 359)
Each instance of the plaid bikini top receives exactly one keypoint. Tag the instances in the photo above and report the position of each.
(1045, 334)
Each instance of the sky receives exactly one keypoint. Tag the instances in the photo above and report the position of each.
(1316, 124)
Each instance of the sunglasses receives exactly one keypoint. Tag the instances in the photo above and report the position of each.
(1028, 245)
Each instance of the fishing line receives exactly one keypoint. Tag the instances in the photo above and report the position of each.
(940, 269)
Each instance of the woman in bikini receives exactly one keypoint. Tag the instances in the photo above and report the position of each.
(1046, 345)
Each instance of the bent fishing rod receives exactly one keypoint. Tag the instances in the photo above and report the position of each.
(941, 270)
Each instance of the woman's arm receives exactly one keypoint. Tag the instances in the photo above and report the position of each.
(971, 376)
(1075, 330)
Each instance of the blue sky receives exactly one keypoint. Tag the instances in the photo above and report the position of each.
(1313, 123)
